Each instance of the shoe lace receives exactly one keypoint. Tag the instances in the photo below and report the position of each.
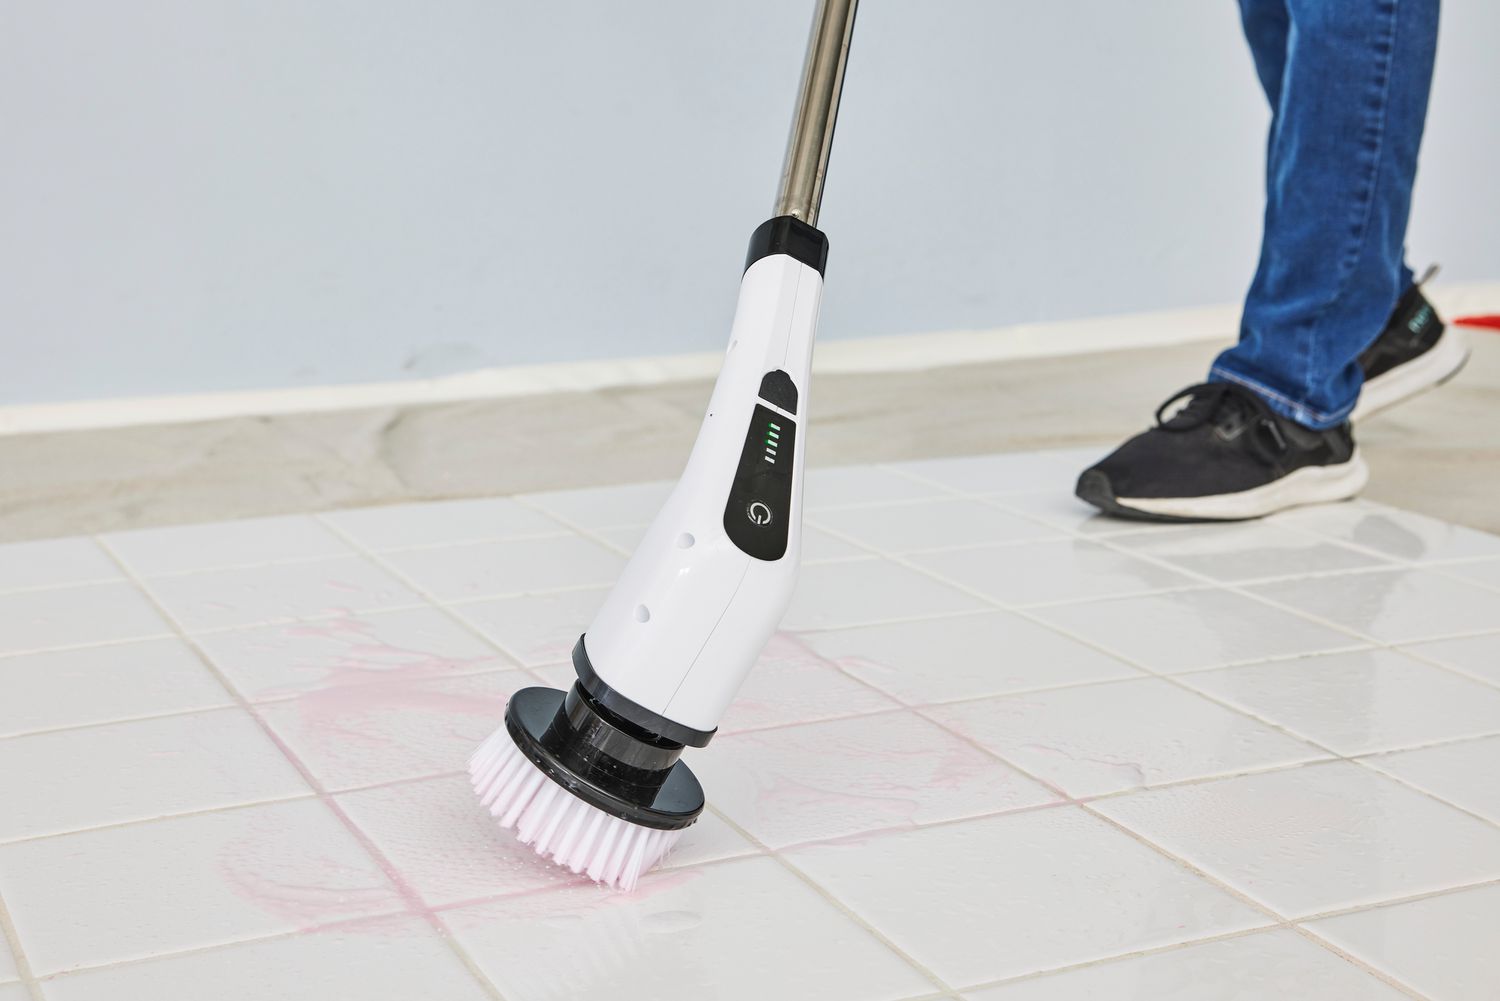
(1232, 410)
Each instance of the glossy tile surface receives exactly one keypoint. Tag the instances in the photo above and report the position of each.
(1356, 703)
(53, 562)
(935, 524)
(69, 780)
(1049, 571)
(1478, 656)
(1271, 964)
(1002, 749)
(1442, 946)
(155, 551)
(1105, 738)
(138, 890)
(1392, 606)
(1465, 773)
(963, 657)
(379, 960)
(1247, 551)
(1318, 838)
(98, 684)
(279, 592)
(824, 781)
(440, 523)
(1010, 895)
(81, 615)
(1187, 630)
(294, 658)
(745, 929)
(383, 732)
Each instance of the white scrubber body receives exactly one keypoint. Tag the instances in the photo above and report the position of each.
(692, 610)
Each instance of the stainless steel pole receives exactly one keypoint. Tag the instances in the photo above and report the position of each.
(817, 108)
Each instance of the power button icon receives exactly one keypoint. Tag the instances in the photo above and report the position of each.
(759, 513)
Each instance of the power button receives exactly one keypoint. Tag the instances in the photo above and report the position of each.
(759, 513)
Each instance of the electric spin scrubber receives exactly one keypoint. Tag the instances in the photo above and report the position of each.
(591, 778)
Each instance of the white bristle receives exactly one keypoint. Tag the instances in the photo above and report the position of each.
(559, 825)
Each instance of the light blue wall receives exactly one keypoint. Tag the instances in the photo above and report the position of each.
(204, 196)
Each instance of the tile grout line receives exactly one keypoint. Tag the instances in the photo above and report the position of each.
(1069, 800)
(1389, 979)
(218, 707)
(836, 903)
(1176, 682)
(354, 922)
(431, 601)
(593, 535)
(10, 938)
(1169, 679)
(1394, 646)
(412, 901)
(905, 705)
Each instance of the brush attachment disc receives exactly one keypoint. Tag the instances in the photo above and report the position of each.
(584, 787)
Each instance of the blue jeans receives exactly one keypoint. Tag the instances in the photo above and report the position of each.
(1348, 83)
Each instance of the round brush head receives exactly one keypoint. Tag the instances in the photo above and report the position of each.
(584, 787)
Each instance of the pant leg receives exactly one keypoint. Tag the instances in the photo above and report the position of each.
(1342, 158)
(1267, 24)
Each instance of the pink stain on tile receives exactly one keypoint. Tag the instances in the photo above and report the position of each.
(366, 658)
(308, 889)
(405, 727)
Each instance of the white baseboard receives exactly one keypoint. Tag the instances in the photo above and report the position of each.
(905, 352)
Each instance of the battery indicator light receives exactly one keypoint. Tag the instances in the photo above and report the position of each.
(774, 427)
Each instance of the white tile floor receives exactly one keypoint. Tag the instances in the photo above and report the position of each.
(1003, 751)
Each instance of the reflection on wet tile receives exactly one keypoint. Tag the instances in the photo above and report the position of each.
(1393, 606)
(1273, 964)
(1049, 571)
(1477, 656)
(1187, 630)
(1247, 551)
(963, 657)
(1399, 534)
(968, 647)
(1099, 739)
(1010, 895)
(1464, 773)
(1355, 703)
(1442, 946)
(1317, 838)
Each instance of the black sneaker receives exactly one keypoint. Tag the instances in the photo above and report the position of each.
(1224, 457)
(1414, 352)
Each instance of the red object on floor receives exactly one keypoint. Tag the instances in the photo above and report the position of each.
(1491, 322)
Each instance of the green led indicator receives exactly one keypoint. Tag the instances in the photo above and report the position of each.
(774, 427)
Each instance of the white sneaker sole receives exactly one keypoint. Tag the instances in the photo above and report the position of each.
(1433, 367)
(1308, 485)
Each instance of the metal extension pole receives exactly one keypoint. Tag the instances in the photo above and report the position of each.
(817, 108)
